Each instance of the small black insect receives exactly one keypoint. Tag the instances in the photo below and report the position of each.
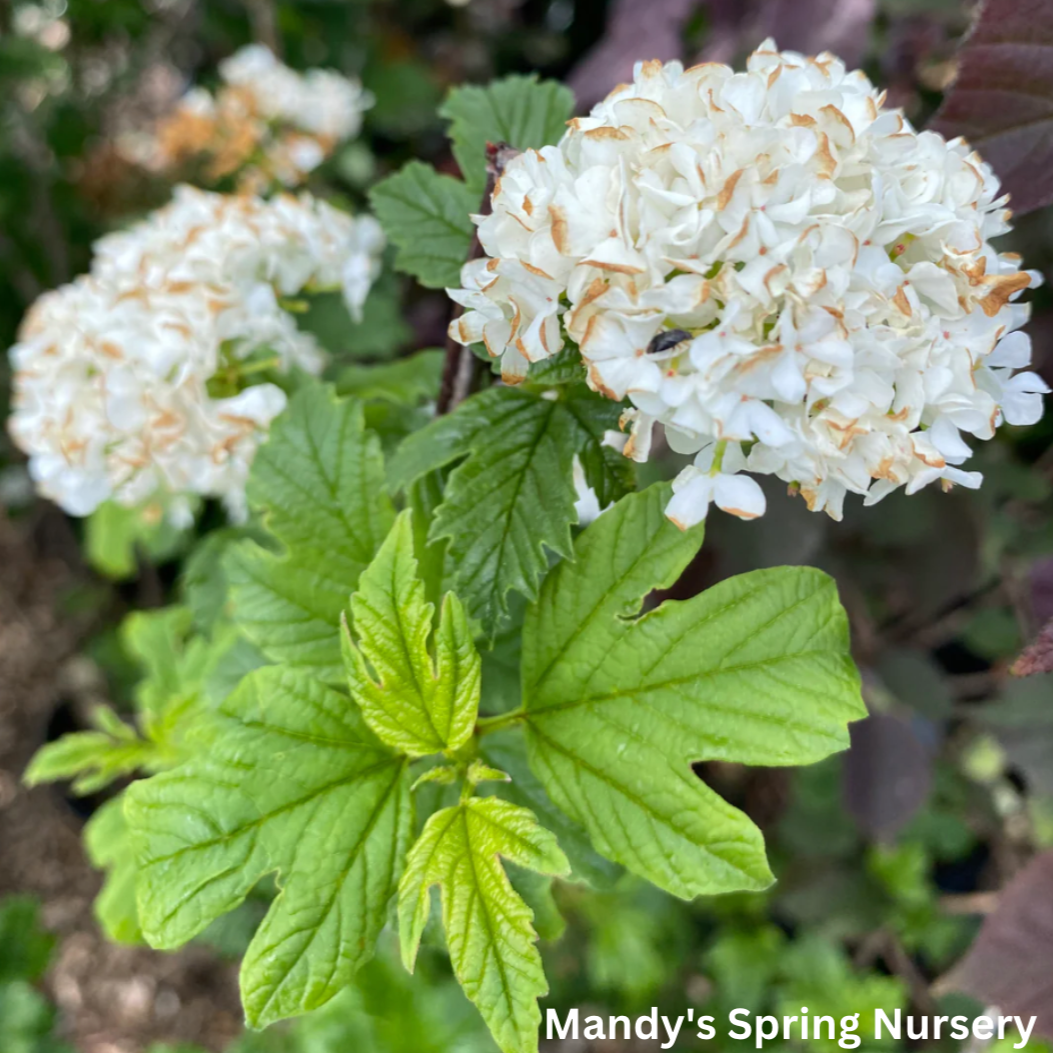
(667, 341)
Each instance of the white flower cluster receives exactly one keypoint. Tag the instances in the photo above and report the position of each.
(319, 101)
(791, 279)
(267, 121)
(131, 381)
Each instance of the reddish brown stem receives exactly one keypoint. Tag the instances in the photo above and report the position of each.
(461, 367)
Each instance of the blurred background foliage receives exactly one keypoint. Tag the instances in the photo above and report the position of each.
(890, 857)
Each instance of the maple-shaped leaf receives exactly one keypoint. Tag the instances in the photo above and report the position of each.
(489, 928)
(619, 704)
(320, 480)
(415, 702)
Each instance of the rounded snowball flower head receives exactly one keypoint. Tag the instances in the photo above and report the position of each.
(267, 249)
(142, 379)
(791, 279)
(319, 101)
(266, 123)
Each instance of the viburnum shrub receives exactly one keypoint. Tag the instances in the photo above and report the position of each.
(415, 666)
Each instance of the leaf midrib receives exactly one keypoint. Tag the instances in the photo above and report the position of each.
(494, 601)
(506, 989)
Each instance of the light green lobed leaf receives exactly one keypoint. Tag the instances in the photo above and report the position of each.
(168, 700)
(114, 534)
(294, 782)
(176, 663)
(92, 759)
(415, 703)
(536, 890)
(489, 928)
(518, 110)
(426, 216)
(513, 497)
(320, 479)
(507, 751)
(108, 844)
(157, 641)
(618, 706)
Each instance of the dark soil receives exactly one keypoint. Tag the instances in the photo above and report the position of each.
(111, 999)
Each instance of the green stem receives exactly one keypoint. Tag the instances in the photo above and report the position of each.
(258, 367)
(718, 457)
(488, 725)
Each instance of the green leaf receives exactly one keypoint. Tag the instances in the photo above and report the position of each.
(564, 367)
(489, 929)
(320, 479)
(518, 110)
(179, 667)
(173, 664)
(507, 751)
(109, 847)
(381, 332)
(406, 381)
(92, 759)
(426, 216)
(114, 532)
(25, 948)
(203, 581)
(536, 890)
(231, 666)
(294, 782)
(27, 1021)
(415, 703)
(618, 705)
(607, 470)
(514, 495)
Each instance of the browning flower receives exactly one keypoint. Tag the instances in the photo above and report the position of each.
(142, 378)
(836, 313)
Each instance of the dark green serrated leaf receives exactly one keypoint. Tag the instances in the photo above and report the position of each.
(564, 367)
(513, 496)
(618, 706)
(320, 480)
(518, 110)
(293, 782)
(426, 216)
(607, 470)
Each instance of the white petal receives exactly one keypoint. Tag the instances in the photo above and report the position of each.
(690, 501)
(740, 495)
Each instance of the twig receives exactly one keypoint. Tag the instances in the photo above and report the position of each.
(264, 21)
(902, 965)
(969, 903)
(461, 366)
